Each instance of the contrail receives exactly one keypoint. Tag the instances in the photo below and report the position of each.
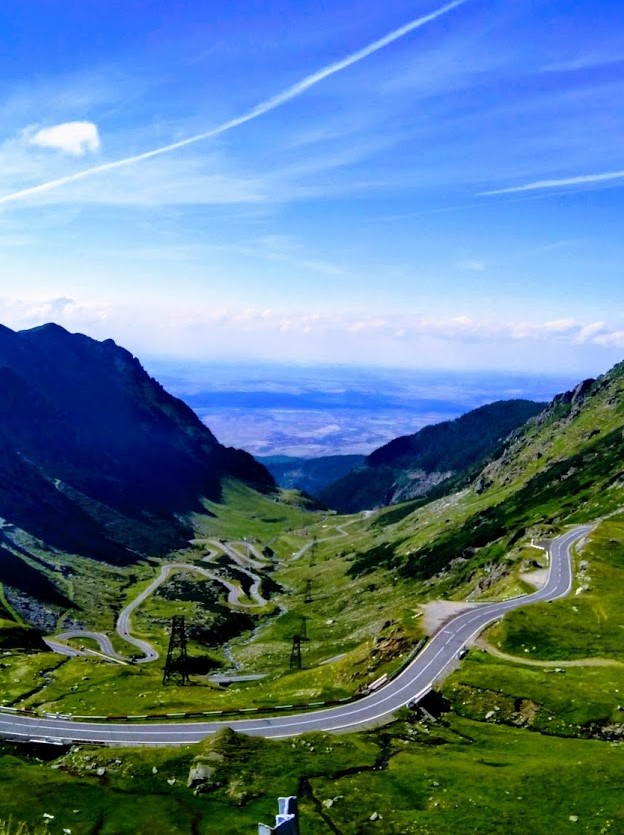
(259, 110)
(583, 179)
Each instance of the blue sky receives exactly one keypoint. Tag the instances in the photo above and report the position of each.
(411, 184)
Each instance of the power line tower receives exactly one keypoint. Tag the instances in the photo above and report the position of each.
(176, 667)
(298, 639)
(303, 628)
(308, 592)
(295, 653)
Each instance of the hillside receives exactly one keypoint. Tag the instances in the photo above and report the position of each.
(563, 466)
(311, 475)
(412, 465)
(96, 458)
(362, 588)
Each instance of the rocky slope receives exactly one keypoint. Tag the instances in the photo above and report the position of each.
(412, 465)
(564, 466)
(96, 458)
(311, 475)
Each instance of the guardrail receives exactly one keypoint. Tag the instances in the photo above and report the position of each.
(231, 711)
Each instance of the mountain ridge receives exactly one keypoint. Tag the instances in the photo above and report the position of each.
(411, 466)
(112, 462)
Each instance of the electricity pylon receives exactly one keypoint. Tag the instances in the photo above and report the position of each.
(176, 667)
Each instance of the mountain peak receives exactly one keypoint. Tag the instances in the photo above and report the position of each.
(85, 416)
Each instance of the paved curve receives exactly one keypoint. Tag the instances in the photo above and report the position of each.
(312, 542)
(123, 621)
(412, 683)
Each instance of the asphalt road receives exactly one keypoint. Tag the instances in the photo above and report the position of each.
(123, 625)
(439, 655)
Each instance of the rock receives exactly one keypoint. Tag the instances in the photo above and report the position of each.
(490, 714)
(171, 781)
(573, 818)
(328, 803)
(101, 771)
(199, 774)
(375, 817)
(582, 390)
(236, 791)
(154, 770)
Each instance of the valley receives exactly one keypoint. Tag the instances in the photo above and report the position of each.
(311, 418)
(329, 654)
(506, 723)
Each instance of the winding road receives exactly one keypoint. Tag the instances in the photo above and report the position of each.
(435, 660)
(123, 624)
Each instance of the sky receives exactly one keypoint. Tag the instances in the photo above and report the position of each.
(406, 184)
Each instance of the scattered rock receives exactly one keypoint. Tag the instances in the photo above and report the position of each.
(199, 774)
(237, 792)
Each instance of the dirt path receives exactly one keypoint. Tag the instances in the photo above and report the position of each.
(438, 612)
(482, 643)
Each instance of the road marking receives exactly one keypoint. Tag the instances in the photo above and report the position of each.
(385, 701)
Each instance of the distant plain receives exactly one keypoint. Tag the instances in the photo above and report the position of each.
(310, 411)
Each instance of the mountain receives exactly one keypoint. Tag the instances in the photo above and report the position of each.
(96, 458)
(564, 466)
(412, 465)
(310, 475)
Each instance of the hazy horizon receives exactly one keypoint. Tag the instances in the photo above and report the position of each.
(308, 411)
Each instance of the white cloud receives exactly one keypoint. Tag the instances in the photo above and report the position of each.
(613, 339)
(564, 182)
(264, 107)
(75, 138)
(275, 334)
(589, 333)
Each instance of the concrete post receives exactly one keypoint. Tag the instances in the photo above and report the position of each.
(286, 821)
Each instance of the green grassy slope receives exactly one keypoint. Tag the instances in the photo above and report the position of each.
(533, 742)
(564, 466)
(464, 776)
